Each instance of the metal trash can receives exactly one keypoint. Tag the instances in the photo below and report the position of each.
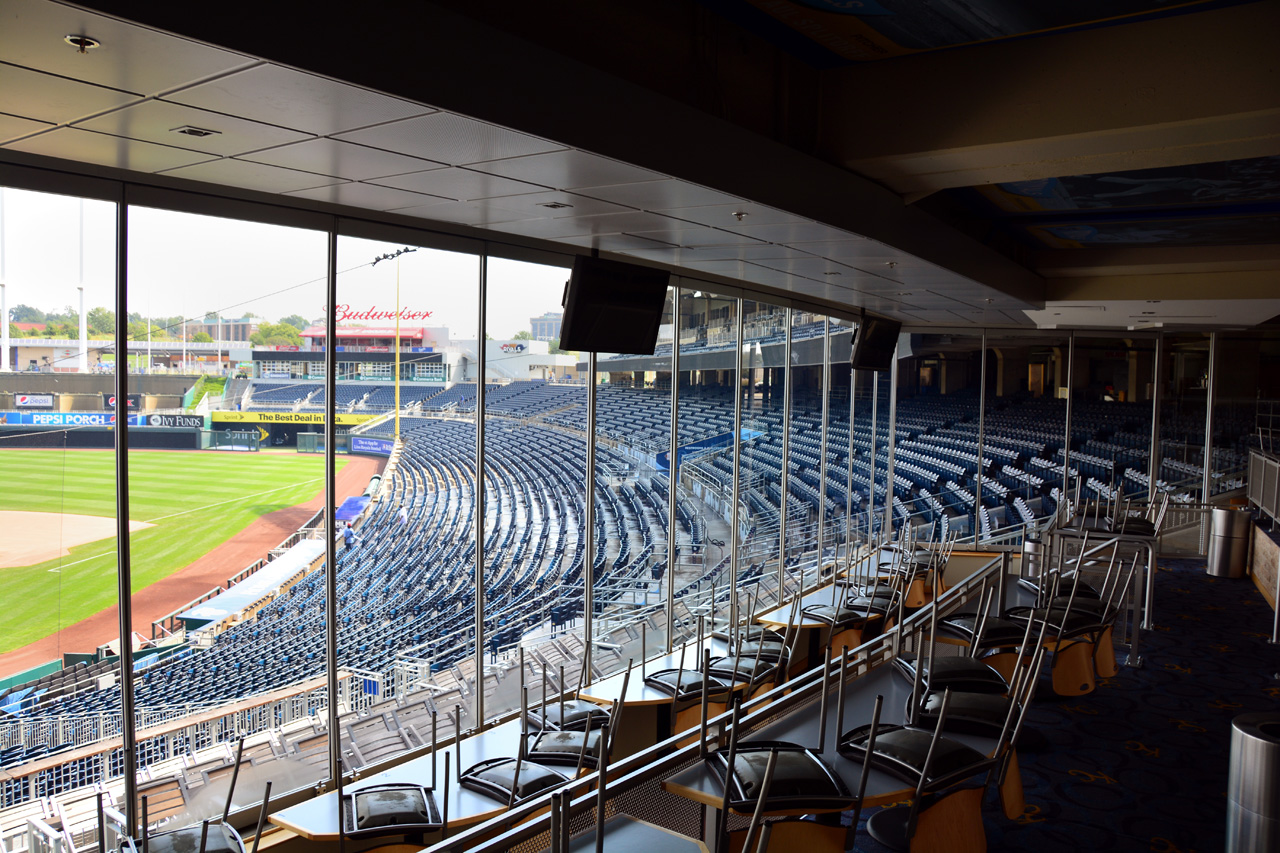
(1229, 542)
(1253, 783)
(1032, 557)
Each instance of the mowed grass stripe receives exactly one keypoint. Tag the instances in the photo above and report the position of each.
(201, 499)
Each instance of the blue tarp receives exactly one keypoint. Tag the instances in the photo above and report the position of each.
(256, 586)
(351, 508)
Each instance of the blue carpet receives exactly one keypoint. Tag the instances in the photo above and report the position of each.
(1140, 764)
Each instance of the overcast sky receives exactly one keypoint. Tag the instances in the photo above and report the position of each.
(181, 264)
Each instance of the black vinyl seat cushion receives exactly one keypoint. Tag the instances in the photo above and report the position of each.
(565, 748)
(495, 778)
(686, 683)
(1072, 624)
(901, 751)
(962, 674)
(579, 715)
(747, 633)
(390, 810)
(982, 714)
(997, 633)
(221, 839)
(801, 780)
(838, 617)
(737, 669)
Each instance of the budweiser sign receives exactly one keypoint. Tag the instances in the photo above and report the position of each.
(346, 312)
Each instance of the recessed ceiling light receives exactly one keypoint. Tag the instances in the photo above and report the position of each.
(890, 264)
(740, 215)
(904, 292)
(197, 132)
(81, 42)
(554, 205)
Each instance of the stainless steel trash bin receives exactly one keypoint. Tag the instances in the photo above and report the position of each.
(1229, 542)
(1253, 783)
(1032, 557)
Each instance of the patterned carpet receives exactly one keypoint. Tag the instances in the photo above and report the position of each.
(1140, 764)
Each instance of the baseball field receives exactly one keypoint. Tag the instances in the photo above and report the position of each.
(58, 509)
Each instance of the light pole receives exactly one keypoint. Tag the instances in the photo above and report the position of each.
(396, 254)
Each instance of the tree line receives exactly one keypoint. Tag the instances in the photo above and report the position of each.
(101, 323)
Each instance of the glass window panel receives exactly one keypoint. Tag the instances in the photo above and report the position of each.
(764, 360)
(635, 568)
(405, 591)
(805, 457)
(228, 566)
(1185, 368)
(58, 582)
(708, 360)
(535, 452)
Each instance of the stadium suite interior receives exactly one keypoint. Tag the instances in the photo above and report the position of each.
(1054, 209)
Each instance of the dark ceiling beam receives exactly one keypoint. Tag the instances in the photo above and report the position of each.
(1193, 88)
(439, 57)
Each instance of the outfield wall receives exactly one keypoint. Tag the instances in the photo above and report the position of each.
(152, 438)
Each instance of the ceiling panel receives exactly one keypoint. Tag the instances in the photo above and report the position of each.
(736, 215)
(11, 127)
(155, 121)
(448, 138)
(792, 233)
(674, 231)
(547, 204)
(609, 223)
(625, 243)
(342, 159)
(668, 194)
(461, 184)
(477, 214)
(306, 102)
(568, 169)
(256, 176)
(850, 249)
(43, 97)
(32, 31)
(810, 267)
(103, 149)
(368, 196)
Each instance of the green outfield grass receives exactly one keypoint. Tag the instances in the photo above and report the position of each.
(196, 500)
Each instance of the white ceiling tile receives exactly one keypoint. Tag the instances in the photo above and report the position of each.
(43, 97)
(850, 249)
(155, 121)
(103, 149)
(727, 215)
(673, 255)
(449, 138)
(792, 233)
(810, 267)
(11, 127)
(461, 184)
(668, 194)
(342, 160)
(32, 31)
(624, 243)
(729, 268)
(568, 169)
(479, 214)
(293, 99)
(254, 176)
(577, 226)
(536, 204)
(696, 237)
(368, 196)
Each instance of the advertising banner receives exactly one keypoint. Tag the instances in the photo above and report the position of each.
(44, 401)
(228, 418)
(134, 401)
(184, 421)
(379, 446)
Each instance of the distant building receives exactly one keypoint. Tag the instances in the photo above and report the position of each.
(546, 327)
(227, 330)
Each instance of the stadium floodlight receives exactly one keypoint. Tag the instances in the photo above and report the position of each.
(387, 257)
